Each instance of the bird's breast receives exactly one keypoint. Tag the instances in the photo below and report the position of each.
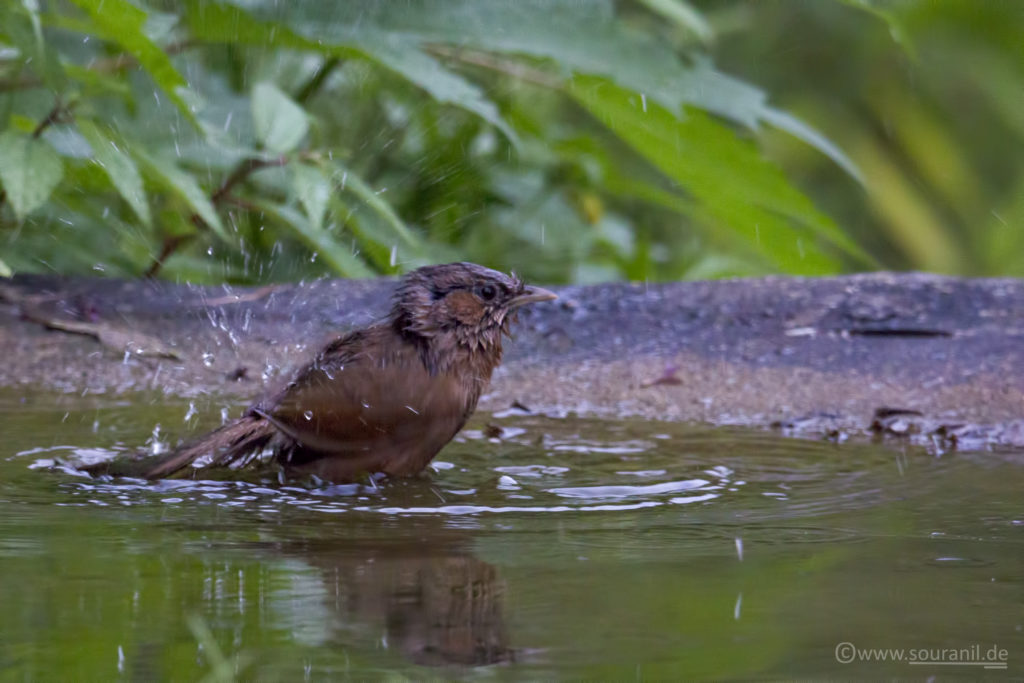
(386, 417)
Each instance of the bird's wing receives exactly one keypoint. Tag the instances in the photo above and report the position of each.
(364, 392)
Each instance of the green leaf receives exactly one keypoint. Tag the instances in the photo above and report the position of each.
(727, 176)
(119, 167)
(897, 30)
(313, 189)
(338, 256)
(30, 169)
(216, 22)
(120, 22)
(596, 42)
(683, 14)
(22, 28)
(183, 185)
(580, 37)
(279, 122)
(232, 25)
(1002, 247)
(440, 83)
(349, 181)
(5, 270)
(801, 131)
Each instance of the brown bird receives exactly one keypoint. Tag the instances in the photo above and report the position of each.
(386, 398)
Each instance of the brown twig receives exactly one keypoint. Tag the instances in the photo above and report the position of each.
(254, 295)
(56, 115)
(241, 203)
(243, 170)
(114, 337)
(169, 246)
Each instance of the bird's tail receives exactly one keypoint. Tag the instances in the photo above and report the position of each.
(226, 445)
(231, 443)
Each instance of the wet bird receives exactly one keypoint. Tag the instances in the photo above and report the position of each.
(385, 398)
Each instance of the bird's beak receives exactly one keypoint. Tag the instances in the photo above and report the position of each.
(532, 295)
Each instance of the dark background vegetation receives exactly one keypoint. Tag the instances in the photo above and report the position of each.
(256, 140)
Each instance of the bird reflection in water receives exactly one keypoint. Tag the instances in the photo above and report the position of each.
(437, 603)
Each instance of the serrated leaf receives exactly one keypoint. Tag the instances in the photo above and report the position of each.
(180, 183)
(580, 37)
(440, 83)
(337, 255)
(124, 24)
(279, 122)
(397, 35)
(313, 189)
(30, 169)
(727, 177)
(349, 181)
(119, 167)
(233, 25)
(217, 22)
(683, 14)
(788, 123)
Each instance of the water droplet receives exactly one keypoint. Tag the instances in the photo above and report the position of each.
(156, 446)
(207, 359)
(269, 371)
(507, 483)
(308, 414)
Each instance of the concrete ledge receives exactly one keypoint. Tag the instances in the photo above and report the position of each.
(943, 357)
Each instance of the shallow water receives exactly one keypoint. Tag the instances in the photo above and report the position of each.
(566, 548)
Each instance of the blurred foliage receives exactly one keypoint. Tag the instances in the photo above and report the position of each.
(253, 140)
(927, 99)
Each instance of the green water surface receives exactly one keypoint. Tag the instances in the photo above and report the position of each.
(566, 548)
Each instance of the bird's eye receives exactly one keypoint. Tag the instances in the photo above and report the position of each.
(487, 292)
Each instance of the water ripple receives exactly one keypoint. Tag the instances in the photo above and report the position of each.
(553, 466)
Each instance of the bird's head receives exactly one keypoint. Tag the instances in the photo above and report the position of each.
(461, 304)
